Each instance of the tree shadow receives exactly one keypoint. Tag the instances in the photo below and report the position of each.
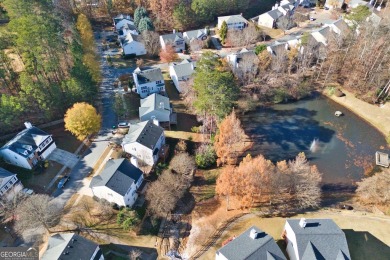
(363, 245)
(120, 251)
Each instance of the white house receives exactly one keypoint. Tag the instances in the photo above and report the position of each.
(28, 147)
(132, 44)
(148, 81)
(157, 107)
(339, 27)
(174, 39)
(234, 59)
(233, 21)
(9, 184)
(253, 244)
(118, 183)
(200, 34)
(126, 29)
(121, 20)
(321, 35)
(69, 246)
(277, 48)
(181, 72)
(308, 239)
(270, 18)
(144, 141)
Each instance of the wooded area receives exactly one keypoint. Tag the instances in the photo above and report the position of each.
(47, 62)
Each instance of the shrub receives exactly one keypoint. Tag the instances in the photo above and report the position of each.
(205, 156)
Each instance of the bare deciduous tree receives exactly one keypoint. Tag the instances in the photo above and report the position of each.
(196, 45)
(38, 210)
(151, 41)
(183, 163)
(375, 189)
(135, 254)
(8, 206)
(247, 69)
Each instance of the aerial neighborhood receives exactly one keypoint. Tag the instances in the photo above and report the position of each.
(195, 129)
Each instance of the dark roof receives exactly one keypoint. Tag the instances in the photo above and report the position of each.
(320, 237)
(4, 177)
(245, 247)
(145, 133)
(148, 75)
(118, 175)
(70, 246)
(26, 141)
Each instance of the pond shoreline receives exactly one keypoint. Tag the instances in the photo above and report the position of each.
(378, 117)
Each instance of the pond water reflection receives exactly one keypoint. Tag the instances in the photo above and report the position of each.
(342, 147)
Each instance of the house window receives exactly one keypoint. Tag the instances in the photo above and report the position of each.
(133, 193)
(134, 149)
(11, 182)
(158, 82)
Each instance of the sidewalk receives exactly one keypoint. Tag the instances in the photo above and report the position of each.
(377, 116)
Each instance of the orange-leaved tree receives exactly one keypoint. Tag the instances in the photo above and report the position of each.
(230, 140)
(168, 54)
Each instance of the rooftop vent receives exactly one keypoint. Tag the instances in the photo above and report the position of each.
(253, 234)
(28, 125)
(161, 105)
(302, 223)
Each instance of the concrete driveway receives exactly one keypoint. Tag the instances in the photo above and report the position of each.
(63, 157)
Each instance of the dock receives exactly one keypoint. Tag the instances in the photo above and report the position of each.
(382, 159)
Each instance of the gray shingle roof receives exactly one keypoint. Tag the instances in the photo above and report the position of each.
(145, 133)
(244, 247)
(118, 175)
(173, 37)
(195, 34)
(4, 174)
(155, 102)
(148, 75)
(275, 14)
(130, 38)
(319, 237)
(185, 68)
(28, 138)
(232, 19)
(70, 246)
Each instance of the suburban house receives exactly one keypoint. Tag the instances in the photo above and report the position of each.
(321, 35)
(234, 59)
(339, 27)
(343, 4)
(315, 239)
(132, 45)
(253, 244)
(126, 29)
(144, 141)
(157, 107)
(121, 20)
(233, 21)
(118, 182)
(174, 39)
(277, 48)
(9, 184)
(28, 147)
(200, 34)
(148, 81)
(71, 246)
(269, 19)
(181, 72)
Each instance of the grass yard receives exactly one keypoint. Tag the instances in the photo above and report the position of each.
(120, 63)
(367, 236)
(203, 187)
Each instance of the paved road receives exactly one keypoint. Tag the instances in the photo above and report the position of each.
(100, 143)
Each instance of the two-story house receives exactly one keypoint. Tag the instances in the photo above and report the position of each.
(200, 34)
(174, 39)
(234, 59)
(118, 183)
(132, 45)
(9, 184)
(236, 22)
(181, 72)
(309, 239)
(253, 244)
(70, 246)
(157, 107)
(28, 147)
(148, 81)
(144, 141)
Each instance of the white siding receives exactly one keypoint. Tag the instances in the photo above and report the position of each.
(159, 115)
(48, 151)
(266, 20)
(15, 159)
(144, 153)
(292, 249)
(219, 256)
(103, 192)
(146, 89)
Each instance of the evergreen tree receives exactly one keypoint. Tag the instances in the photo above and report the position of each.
(139, 13)
(145, 24)
(223, 32)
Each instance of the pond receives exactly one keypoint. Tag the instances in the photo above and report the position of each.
(343, 148)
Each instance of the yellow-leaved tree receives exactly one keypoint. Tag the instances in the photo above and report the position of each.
(82, 120)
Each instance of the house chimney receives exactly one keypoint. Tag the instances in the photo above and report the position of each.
(302, 223)
(28, 125)
(155, 121)
(253, 233)
(174, 31)
(134, 161)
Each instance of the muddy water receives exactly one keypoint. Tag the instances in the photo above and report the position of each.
(343, 148)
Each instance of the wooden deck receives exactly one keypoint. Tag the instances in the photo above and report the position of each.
(382, 159)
